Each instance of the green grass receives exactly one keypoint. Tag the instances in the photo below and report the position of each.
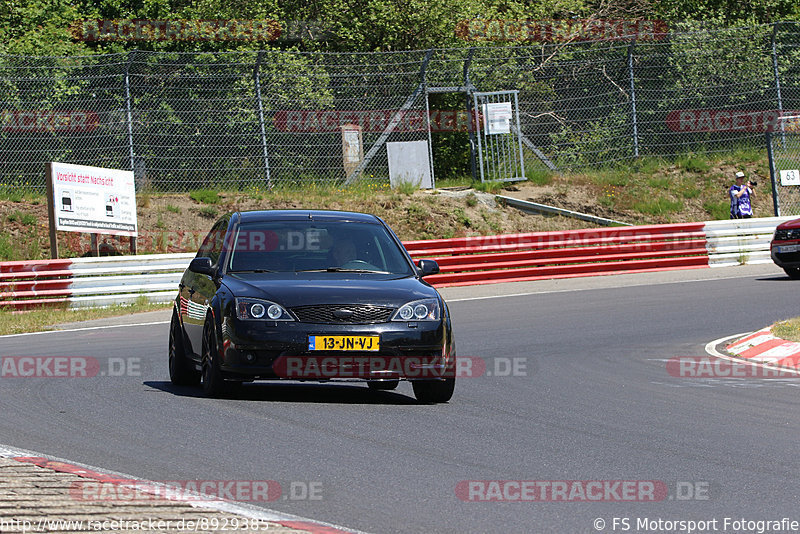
(41, 319)
(406, 188)
(539, 176)
(648, 166)
(28, 219)
(615, 177)
(788, 329)
(472, 200)
(417, 210)
(658, 206)
(173, 209)
(659, 183)
(8, 251)
(461, 218)
(692, 163)
(209, 212)
(18, 193)
(205, 196)
(744, 154)
(718, 209)
(489, 187)
(690, 192)
(462, 181)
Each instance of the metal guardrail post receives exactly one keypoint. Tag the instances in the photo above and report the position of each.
(257, 81)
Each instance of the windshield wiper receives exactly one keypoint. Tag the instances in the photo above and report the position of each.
(341, 270)
(253, 271)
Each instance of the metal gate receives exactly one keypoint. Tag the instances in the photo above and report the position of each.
(783, 152)
(499, 142)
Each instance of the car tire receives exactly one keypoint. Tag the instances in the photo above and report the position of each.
(434, 391)
(214, 384)
(181, 372)
(793, 272)
(383, 385)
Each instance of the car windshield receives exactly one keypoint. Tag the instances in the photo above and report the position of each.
(309, 246)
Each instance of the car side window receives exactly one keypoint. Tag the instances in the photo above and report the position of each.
(212, 244)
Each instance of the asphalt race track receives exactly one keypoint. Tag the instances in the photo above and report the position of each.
(591, 400)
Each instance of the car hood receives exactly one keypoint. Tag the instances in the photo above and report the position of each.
(302, 289)
(794, 223)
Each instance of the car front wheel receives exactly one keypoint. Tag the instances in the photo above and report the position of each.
(214, 384)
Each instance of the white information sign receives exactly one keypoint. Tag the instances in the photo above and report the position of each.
(93, 199)
(790, 177)
(497, 117)
(409, 161)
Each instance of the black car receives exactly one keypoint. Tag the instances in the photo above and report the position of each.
(310, 295)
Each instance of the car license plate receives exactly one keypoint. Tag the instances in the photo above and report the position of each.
(346, 343)
(788, 248)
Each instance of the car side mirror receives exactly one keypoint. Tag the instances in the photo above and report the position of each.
(427, 267)
(202, 266)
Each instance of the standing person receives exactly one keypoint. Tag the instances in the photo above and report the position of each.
(740, 194)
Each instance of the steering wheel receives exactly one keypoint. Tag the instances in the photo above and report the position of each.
(359, 264)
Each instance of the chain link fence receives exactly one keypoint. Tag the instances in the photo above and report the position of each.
(783, 150)
(253, 120)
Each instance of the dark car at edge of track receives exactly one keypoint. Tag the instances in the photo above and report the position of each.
(311, 296)
(785, 247)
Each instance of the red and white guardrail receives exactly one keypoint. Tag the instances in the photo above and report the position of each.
(463, 261)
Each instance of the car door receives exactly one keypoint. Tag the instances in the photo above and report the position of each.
(199, 289)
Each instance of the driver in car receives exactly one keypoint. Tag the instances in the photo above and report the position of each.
(344, 250)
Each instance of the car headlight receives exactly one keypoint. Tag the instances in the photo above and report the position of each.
(260, 310)
(419, 310)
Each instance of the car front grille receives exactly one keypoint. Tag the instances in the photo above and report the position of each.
(342, 314)
(789, 233)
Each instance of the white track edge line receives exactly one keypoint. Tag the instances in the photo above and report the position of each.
(545, 292)
(82, 329)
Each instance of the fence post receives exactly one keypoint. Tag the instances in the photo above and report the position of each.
(473, 149)
(771, 158)
(128, 105)
(398, 115)
(257, 81)
(777, 78)
(633, 99)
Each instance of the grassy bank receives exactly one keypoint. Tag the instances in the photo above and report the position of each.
(647, 191)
